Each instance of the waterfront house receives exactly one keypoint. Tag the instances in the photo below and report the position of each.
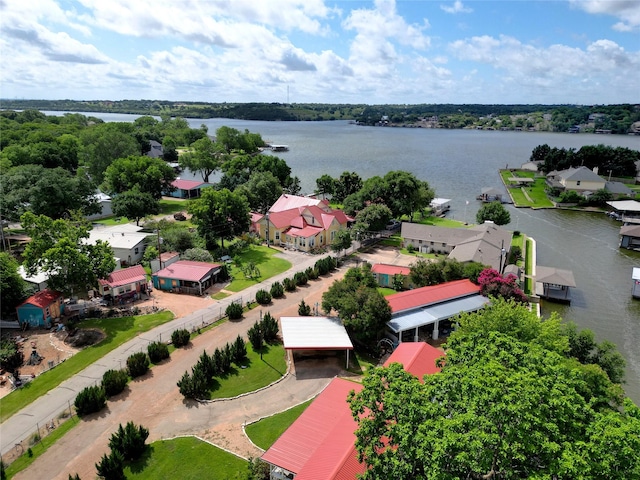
(419, 312)
(554, 283)
(127, 241)
(300, 223)
(124, 284)
(320, 444)
(581, 179)
(188, 188)
(619, 189)
(40, 309)
(385, 273)
(187, 276)
(487, 243)
(630, 237)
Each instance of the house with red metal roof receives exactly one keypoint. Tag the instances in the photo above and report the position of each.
(41, 308)
(420, 311)
(300, 223)
(320, 444)
(385, 275)
(123, 284)
(187, 276)
(188, 188)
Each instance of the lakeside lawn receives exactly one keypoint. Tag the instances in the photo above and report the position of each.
(186, 458)
(117, 330)
(252, 373)
(529, 287)
(266, 431)
(536, 195)
(167, 207)
(266, 261)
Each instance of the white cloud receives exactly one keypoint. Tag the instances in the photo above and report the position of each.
(457, 7)
(627, 11)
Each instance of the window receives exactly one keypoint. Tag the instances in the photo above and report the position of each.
(444, 244)
(277, 235)
(419, 242)
(312, 241)
(174, 283)
(431, 243)
(578, 182)
(333, 235)
(136, 250)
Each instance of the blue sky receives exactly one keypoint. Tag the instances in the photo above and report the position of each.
(316, 51)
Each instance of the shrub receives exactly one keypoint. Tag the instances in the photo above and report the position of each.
(111, 467)
(11, 357)
(312, 273)
(304, 309)
(277, 290)
(185, 386)
(263, 297)
(138, 364)
(289, 284)
(129, 441)
(269, 328)
(226, 359)
(255, 337)
(90, 400)
(114, 381)
(411, 248)
(74, 477)
(158, 351)
(325, 265)
(218, 361)
(234, 311)
(180, 337)
(300, 278)
(240, 349)
(207, 365)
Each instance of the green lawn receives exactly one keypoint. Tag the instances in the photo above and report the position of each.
(385, 291)
(39, 448)
(266, 431)
(186, 458)
(528, 263)
(267, 263)
(257, 373)
(536, 192)
(118, 331)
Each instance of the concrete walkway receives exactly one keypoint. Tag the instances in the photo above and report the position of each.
(24, 423)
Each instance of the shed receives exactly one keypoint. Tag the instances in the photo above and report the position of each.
(385, 273)
(124, 284)
(315, 333)
(41, 308)
(188, 188)
(554, 284)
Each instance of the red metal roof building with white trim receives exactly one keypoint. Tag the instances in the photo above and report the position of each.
(320, 444)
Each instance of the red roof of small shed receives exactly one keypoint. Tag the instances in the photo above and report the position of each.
(386, 269)
(43, 298)
(417, 358)
(188, 270)
(125, 276)
(420, 297)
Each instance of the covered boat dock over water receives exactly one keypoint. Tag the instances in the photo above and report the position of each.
(554, 284)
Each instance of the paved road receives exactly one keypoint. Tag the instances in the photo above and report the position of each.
(23, 424)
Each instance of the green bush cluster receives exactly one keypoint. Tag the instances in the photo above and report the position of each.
(90, 400)
(304, 310)
(289, 284)
(114, 381)
(138, 364)
(312, 273)
(234, 311)
(325, 265)
(277, 290)
(158, 351)
(180, 337)
(127, 445)
(263, 297)
(300, 278)
(197, 384)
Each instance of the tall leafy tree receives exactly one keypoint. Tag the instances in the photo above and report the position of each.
(150, 175)
(135, 205)
(59, 248)
(346, 184)
(325, 185)
(12, 287)
(204, 157)
(342, 241)
(103, 143)
(261, 190)
(372, 218)
(495, 212)
(220, 214)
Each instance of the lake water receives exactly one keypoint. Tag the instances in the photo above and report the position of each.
(458, 164)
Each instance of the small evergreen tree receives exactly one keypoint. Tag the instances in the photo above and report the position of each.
(207, 365)
(185, 386)
(111, 467)
(277, 290)
(289, 284)
(263, 297)
(234, 311)
(71, 477)
(138, 364)
(304, 309)
(114, 381)
(180, 337)
(312, 273)
(158, 351)
(300, 278)
(129, 441)
(255, 337)
(90, 400)
(269, 328)
(240, 349)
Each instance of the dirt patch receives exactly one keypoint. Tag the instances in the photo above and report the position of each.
(85, 338)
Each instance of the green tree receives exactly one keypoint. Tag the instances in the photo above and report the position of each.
(12, 287)
(372, 218)
(204, 157)
(325, 185)
(129, 441)
(342, 241)
(103, 143)
(495, 212)
(405, 194)
(346, 184)
(261, 191)
(135, 205)
(151, 175)
(220, 214)
(111, 467)
(198, 255)
(59, 248)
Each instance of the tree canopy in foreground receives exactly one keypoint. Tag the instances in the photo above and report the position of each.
(508, 403)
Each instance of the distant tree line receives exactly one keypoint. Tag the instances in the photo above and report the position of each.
(617, 161)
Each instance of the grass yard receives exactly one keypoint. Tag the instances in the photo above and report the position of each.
(536, 192)
(266, 431)
(169, 207)
(529, 287)
(186, 458)
(39, 448)
(257, 373)
(265, 260)
(385, 291)
(118, 331)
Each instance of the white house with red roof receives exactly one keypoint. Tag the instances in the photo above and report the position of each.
(320, 444)
(300, 223)
(124, 284)
(187, 276)
(422, 309)
(188, 188)
(41, 308)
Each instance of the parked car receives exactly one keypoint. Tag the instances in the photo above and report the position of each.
(181, 217)
(394, 224)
